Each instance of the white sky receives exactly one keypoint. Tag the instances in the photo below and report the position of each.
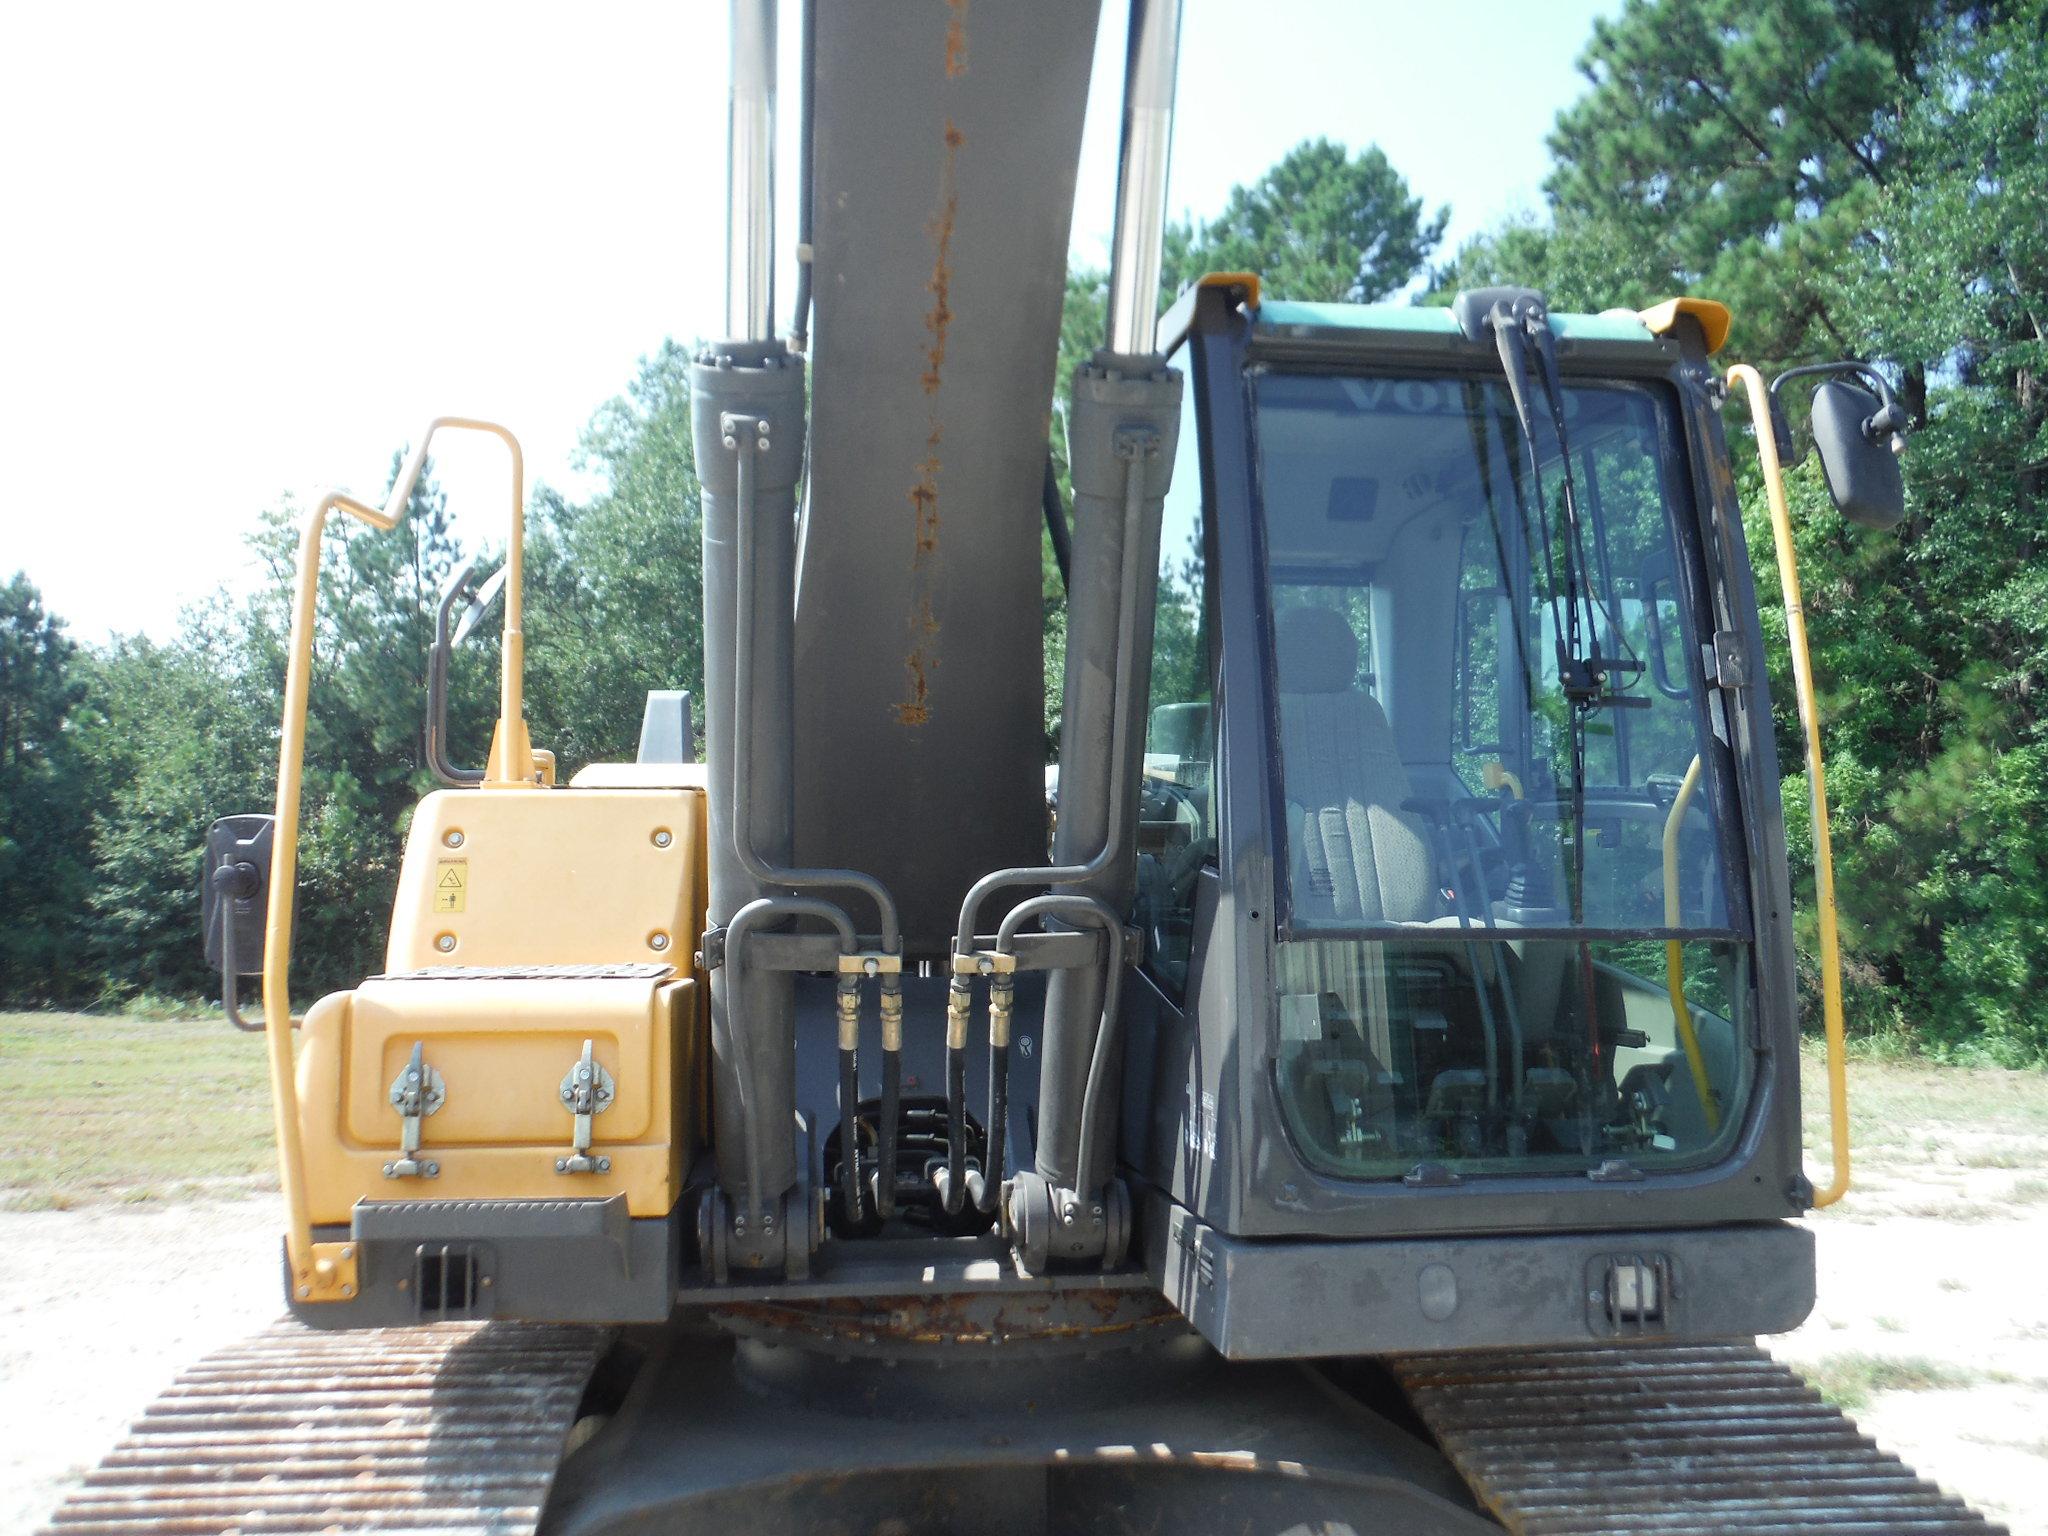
(245, 249)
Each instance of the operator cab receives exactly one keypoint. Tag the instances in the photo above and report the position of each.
(1449, 860)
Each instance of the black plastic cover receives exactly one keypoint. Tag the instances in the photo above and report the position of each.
(1862, 471)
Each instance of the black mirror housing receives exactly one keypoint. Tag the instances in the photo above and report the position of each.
(1855, 434)
(234, 891)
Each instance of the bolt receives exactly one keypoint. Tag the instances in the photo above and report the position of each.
(872, 967)
(604, 1165)
(568, 1093)
(561, 1165)
(388, 1169)
(348, 1250)
(445, 943)
(348, 1290)
(433, 1170)
(730, 441)
(485, 1281)
(305, 1291)
(657, 942)
(452, 837)
(663, 837)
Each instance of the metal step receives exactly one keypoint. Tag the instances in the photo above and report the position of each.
(453, 1430)
(1665, 1440)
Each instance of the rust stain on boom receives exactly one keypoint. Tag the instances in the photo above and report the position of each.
(924, 491)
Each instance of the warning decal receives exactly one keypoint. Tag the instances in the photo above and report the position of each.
(451, 885)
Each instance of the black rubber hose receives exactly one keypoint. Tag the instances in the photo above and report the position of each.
(998, 1121)
(1056, 520)
(892, 1109)
(954, 1195)
(849, 1134)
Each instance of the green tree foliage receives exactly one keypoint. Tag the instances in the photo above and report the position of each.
(46, 792)
(1864, 178)
(613, 583)
(1321, 224)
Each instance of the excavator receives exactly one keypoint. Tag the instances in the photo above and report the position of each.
(1365, 1097)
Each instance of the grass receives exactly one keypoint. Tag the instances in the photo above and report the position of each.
(97, 1109)
(1898, 1106)
(1850, 1380)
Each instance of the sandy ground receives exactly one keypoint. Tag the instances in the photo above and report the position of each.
(100, 1308)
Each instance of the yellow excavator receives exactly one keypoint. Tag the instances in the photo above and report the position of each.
(1362, 1097)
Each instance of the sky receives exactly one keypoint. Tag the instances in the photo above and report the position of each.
(252, 250)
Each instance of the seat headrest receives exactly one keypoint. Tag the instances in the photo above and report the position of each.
(1316, 652)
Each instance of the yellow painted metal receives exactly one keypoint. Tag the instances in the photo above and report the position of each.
(1753, 385)
(502, 1047)
(551, 877)
(1715, 319)
(1674, 952)
(326, 1272)
(1248, 281)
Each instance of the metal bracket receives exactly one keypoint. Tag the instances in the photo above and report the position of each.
(416, 1092)
(587, 1091)
(1723, 658)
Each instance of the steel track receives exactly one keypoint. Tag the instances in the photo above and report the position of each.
(1666, 1440)
(454, 1430)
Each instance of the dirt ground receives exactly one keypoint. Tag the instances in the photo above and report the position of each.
(1932, 1328)
(1934, 1334)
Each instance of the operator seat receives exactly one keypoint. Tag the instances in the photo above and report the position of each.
(1357, 857)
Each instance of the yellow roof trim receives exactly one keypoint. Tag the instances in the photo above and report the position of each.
(1714, 319)
(1248, 281)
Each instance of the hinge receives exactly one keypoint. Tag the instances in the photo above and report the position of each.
(1723, 660)
(588, 1090)
(415, 1093)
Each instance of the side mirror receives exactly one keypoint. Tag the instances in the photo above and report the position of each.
(1859, 438)
(1859, 429)
(234, 896)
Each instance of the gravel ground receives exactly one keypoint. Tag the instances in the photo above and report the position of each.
(100, 1308)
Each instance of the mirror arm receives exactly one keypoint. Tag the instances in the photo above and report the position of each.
(240, 880)
(1889, 419)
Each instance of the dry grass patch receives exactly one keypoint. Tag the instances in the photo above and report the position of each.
(96, 1109)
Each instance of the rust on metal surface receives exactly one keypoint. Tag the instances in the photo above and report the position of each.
(956, 39)
(964, 1318)
(1679, 1439)
(456, 1428)
(915, 708)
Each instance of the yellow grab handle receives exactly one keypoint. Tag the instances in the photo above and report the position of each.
(1674, 952)
(327, 1271)
(1809, 721)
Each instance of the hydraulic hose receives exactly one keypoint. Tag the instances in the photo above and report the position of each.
(744, 921)
(743, 437)
(1126, 666)
(849, 1094)
(1088, 909)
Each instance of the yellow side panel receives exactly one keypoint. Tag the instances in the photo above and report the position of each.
(502, 1048)
(520, 877)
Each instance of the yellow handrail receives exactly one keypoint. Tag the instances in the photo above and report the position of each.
(1809, 720)
(1674, 952)
(327, 1271)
